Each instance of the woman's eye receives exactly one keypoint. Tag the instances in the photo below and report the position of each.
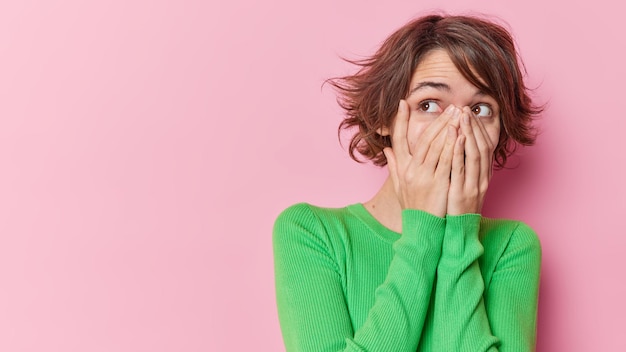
(482, 110)
(429, 106)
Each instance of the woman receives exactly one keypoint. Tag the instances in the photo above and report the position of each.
(417, 267)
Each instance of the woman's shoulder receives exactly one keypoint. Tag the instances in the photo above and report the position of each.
(506, 235)
(508, 228)
(309, 213)
(304, 225)
(312, 218)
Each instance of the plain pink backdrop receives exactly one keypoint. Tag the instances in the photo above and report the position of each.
(147, 146)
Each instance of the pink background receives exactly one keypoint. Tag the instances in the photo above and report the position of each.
(147, 146)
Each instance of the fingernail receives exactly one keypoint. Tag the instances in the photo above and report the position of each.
(400, 106)
(466, 118)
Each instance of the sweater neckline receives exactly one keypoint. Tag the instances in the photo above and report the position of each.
(370, 221)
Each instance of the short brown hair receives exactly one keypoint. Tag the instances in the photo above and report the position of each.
(480, 49)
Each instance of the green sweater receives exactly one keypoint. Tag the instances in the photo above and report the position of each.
(344, 282)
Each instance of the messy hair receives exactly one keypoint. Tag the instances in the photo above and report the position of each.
(484, 52)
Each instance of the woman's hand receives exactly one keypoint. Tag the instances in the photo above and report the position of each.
(471, 166)
(422, 179)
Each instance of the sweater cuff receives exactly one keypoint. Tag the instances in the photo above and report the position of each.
(467, 223)
(422, 228)
(461, 243)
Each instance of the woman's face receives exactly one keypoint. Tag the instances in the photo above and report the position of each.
(437, 83)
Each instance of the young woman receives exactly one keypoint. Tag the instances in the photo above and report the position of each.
(417, 267)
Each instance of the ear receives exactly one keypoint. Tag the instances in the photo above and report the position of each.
(383, 131)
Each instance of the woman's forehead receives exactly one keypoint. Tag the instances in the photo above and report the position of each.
(437, 70)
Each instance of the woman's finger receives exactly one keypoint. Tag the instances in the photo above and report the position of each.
(399, 136)
(483, 130)
(435, 149)
(444, 166)
(490, 149)
(457, 174)
(472, 154)
(484, 147)
(430, 134)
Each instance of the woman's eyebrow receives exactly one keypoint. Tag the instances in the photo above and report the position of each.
(430, 84)
(439, 86)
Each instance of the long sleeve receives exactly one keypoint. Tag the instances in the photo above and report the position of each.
(503, 319)
(312, 307)
(511, 300)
